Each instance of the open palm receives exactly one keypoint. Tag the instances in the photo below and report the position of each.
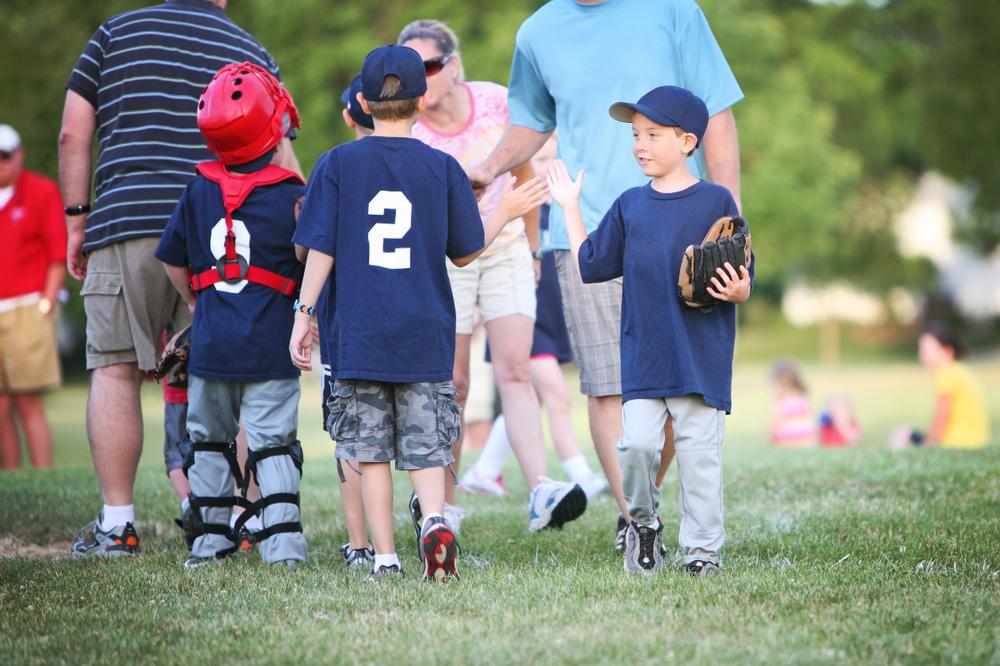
(564, 189)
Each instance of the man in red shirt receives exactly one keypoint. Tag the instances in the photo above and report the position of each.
(32, 266)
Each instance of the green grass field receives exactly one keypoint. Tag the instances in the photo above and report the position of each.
(860, 556)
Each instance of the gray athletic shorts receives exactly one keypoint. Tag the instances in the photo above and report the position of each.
(594, 320)
(413, 424)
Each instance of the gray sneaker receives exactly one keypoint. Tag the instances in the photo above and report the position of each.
(92, 541)
(642, 548)
(391, 571)
(702, 568)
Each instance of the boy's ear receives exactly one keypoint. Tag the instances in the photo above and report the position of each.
(347, 119)
(364, 103)
(690, 143)
(421, 103)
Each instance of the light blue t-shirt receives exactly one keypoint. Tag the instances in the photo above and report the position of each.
(572, 61)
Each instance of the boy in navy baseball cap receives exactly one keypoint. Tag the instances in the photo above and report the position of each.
(380, 216)
(676, 360)
(354, 116)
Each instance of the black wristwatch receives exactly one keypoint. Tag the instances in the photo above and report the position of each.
(73, 211)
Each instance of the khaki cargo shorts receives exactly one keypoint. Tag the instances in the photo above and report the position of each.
(129, 302)
(29, 355)
(413, 424)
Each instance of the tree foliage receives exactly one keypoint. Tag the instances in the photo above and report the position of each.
(845, 102)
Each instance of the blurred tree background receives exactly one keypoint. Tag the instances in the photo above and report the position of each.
(847, 102)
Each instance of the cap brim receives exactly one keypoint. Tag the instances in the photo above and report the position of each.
(623, 111)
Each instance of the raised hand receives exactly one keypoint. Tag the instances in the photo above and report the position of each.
(564, 189)
(516, 201)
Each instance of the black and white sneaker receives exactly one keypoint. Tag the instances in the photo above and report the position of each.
(552, 504)
(620, 533)
(357, 557)
(417, 517)
(702, 568)
(384, 572)
(642, 548)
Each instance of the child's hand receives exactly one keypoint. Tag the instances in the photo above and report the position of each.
(515, 202)
(729, 286)
(563, 188)
(300, 345)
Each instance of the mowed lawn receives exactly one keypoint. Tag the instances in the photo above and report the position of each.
(858, 556)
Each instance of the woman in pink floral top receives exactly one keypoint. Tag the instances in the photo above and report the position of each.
(466, 120)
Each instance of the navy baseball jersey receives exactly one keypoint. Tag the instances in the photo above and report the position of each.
(667, 348)
(390, 210)
(240, 331)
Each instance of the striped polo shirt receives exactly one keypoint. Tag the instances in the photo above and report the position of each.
(143, 72)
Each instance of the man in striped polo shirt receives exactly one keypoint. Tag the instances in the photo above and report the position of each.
(136, 87)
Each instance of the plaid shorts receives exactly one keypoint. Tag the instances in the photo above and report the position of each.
(594, 320)
(413, 424)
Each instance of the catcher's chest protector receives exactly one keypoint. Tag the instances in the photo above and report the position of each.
(233, 268)
(727, 240)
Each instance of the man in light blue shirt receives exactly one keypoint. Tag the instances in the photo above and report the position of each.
(574, 59)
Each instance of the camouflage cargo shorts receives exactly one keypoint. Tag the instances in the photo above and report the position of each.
(413, 424)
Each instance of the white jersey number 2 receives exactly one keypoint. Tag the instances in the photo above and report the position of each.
(377, 256)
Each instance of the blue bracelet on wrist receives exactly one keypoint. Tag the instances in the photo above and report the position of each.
(299, 306)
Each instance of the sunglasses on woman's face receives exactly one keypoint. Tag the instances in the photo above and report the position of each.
(435, 65)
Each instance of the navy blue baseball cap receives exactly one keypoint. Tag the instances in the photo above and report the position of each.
(350, 99)
(667, 105)
(401, 61)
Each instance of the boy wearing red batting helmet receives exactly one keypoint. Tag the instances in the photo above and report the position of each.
(228, 251)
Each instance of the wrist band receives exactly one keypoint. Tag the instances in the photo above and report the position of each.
(77, 210)
(299, 306)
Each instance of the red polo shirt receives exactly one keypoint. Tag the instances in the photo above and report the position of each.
(32, 235)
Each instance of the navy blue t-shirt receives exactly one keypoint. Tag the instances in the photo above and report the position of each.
(389, 210)
(667, 348)
(241, 331)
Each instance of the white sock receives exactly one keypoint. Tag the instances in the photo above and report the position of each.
(576, 467)
(113, 516)
(386, 561)
(185, 504)
(491, 461)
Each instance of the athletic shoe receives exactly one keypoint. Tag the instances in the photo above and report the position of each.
(92, 541)
(439, 548)
(384, 572)
(186, 523)
(620, 533)
(552, 504)
(454, 515)
(642, 548)
(195, 562)
(357, 557)
(593, 484)
(417, 517)
(474, 482)
(247, 540)
(703, 568)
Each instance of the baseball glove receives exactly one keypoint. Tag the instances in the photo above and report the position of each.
(173, 361)
(727, 240)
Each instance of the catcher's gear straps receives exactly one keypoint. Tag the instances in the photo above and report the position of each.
(228, 450)
(293, 451)
(236, 187)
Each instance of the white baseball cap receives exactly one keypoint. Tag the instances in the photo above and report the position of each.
(10, 140)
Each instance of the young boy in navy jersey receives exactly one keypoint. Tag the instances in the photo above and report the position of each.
(228, 241)
(676, 360)
(384, 213)
(357, 551)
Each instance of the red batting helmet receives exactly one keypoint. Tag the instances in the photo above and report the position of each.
(244, 112)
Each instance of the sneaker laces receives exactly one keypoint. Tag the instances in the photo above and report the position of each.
(647, 539)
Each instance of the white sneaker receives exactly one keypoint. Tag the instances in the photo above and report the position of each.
(474, 482)
(554, 503)
(453, 515)
(593, 484)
